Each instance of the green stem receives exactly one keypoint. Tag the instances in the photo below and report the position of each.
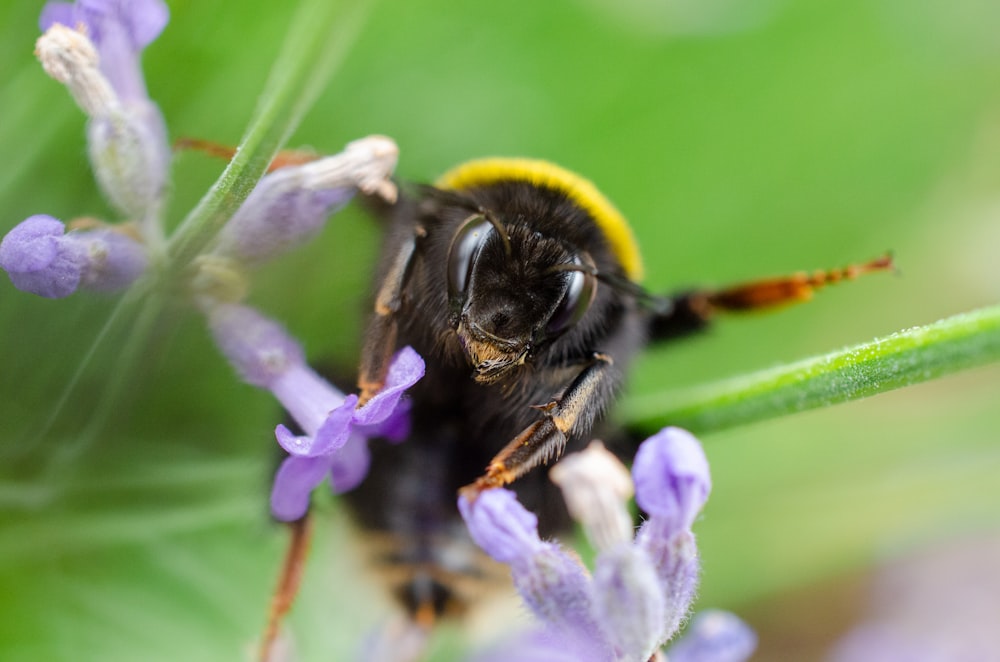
(320, 35)
(901, 359)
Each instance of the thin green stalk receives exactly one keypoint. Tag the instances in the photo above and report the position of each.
(320, 36)
(901, 359)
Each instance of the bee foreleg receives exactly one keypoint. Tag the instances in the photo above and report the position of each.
(541, 442)
(380, 339)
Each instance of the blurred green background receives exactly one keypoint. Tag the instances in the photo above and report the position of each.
(742, 139)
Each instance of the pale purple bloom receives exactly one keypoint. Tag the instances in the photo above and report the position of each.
(120, 29)
(672, 484)
(335, 430)
(277, 216)
(290, 205)
(551, 581)
(127, 137)
(339, 447)
(671, 477)
(714, 636)
(640, 590)
(42, 258)
(936, 604)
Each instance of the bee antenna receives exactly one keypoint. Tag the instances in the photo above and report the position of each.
(657, 304)
(499, 227)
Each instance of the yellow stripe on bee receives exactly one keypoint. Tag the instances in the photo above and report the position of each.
(483, 172)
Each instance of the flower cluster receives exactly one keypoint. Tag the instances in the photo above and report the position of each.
(335, 436)
(641, 587)
(94, 47)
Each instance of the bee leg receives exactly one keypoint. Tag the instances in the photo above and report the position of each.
(288, 583)
(545, 440)
(380, 339)
(692, 311)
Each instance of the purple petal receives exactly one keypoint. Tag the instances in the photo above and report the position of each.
(396, 427)
(292, 443)
(293, 484)
(716, 636)
(547, 645)
(552, 583)
(63, 13)
(405, 370)
(350, 465)
(115, 261)
(145, 19)
(280, 214)
(259, 348)
(292, 204)
(120, 29)
(675, 557)
(628, 602)
(557, 589)
(306, 396)
(671, 477)
(130, 156)
(887, 643)
(499, 524)
(32, 244)
(40, 259)
(141, 20)
(332, 435)
(671, 484)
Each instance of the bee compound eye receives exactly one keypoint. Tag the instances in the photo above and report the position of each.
(465, 247)
(577, 296)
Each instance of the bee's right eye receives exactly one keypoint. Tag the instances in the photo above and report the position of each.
(465, 247)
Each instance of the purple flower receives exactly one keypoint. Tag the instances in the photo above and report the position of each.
(938, 603)
(42, 258)
(672, 485)
(127, 138)
(290, 205)
(640, 589)
(120, 29)
(714, 636)
(335, 430)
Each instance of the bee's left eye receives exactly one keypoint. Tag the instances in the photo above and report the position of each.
(465, 246)
(576, 300)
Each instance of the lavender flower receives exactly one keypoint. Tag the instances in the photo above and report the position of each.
(42, 258)
(641, 589)
(672, 484)
(335, 436)
(289, 206)
(714, 636)
(93, 47)
(120, 29)
(936, 604)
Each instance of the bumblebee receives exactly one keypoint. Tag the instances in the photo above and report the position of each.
(518, 282)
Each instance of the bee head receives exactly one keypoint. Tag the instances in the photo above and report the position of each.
(512, 291)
